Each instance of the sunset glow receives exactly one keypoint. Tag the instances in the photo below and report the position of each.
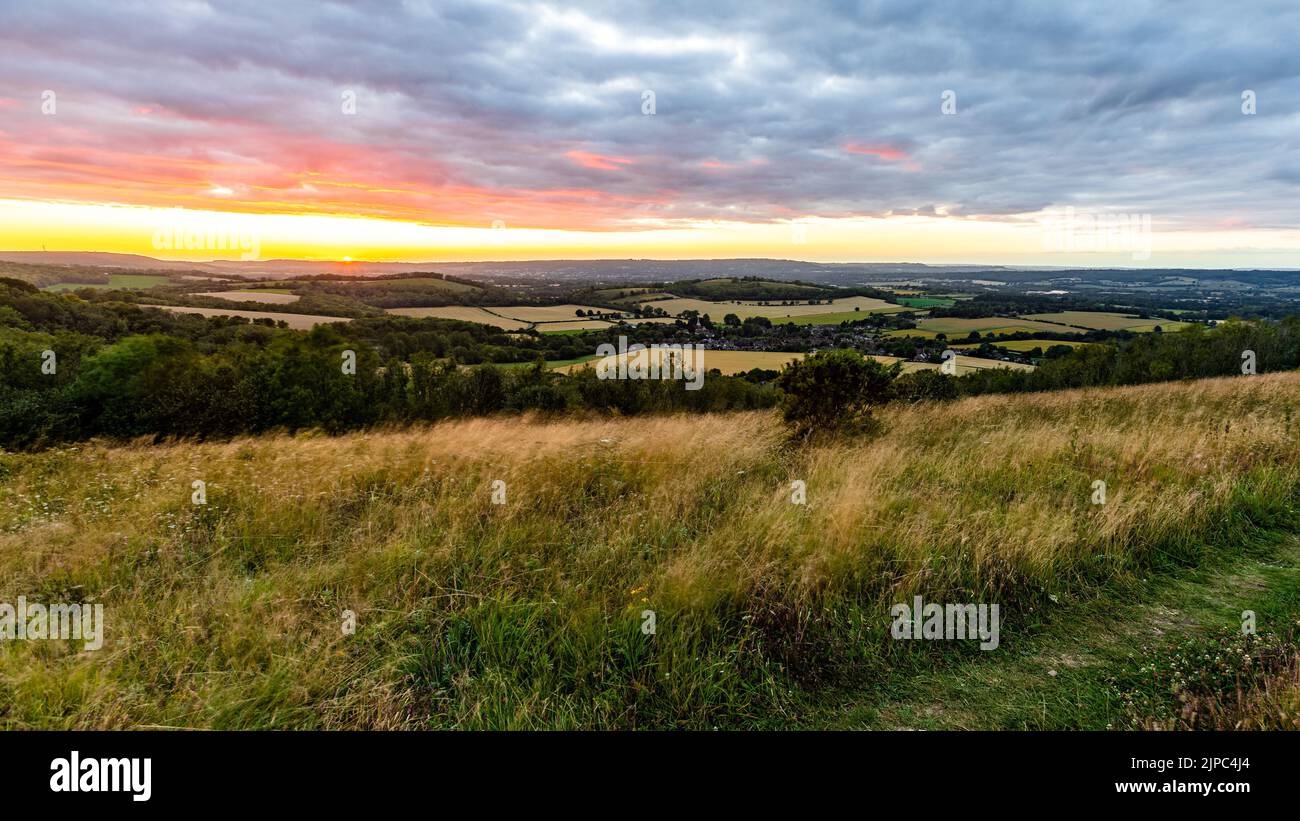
(571, 134)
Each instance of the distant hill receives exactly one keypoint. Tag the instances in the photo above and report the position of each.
(103, 260)
(622, 271)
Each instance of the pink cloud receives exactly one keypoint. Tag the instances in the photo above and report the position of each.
(599, 161)
(884, 152)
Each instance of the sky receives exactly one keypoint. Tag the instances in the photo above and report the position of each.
(1133, 133)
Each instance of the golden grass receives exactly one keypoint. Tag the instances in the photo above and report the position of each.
(229, 615)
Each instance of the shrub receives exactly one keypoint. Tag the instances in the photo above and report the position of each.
(834, 391)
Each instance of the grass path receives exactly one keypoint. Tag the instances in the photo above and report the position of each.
(1058, 678)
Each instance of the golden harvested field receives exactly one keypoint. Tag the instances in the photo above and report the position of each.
(733, 362)
(1023, 345)
(960, 326)
(268, 297)
(1101, 321)
(513, 317)
(302, 322)
(573, 325)
(744, 310)
(729, 362)
(465, 313)
(544, 313)
(966, 364)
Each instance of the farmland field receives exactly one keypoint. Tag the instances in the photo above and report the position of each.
(554, 318)
(432, 283)
(1098, 320)
(960, 326)
(543, 313)
(744, 310)
(465, 313)
(258, 295)
(828, 319)
(729, 362)
(572, 325)
(299, 321)
(1022, 345)
(925, 302)
(122, 281)
(734, 362)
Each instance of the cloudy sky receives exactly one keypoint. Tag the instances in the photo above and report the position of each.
(941, 132)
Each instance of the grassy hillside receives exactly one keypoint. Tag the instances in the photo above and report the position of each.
(768, 613)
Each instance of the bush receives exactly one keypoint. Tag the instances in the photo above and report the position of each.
(925, 386)
(834, 391)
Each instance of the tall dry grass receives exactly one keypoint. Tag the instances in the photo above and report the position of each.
(528, 614)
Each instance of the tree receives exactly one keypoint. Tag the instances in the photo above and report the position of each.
(834, 390)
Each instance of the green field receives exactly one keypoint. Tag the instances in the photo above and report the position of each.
(825, 319)
(1103, 321)
(835, 311)
(960, 327)
(432, 283)
(122, 281)
(1022, 345)
(925, 302)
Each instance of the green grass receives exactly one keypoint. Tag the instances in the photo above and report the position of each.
(769, 613)
(122, 281)
(925, 302)
(1086, 662)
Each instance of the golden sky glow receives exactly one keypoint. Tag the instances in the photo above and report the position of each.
(185, 234)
